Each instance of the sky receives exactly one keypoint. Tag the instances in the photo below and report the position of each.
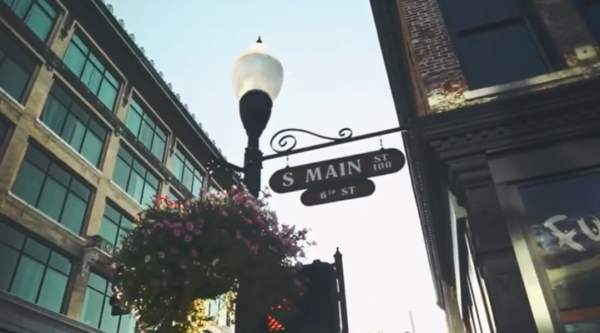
(334, 78)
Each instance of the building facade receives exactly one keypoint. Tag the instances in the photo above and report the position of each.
(87, 138)
(501, 105)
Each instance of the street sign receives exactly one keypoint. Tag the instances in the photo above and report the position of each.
(361, 166)
(339, 191)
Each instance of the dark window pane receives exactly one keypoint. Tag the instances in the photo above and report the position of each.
(54, 114)
(92, 307)
(74, 59)
(92, 148)
(52, 199)
(13, 79)
(108, 95)
(59, 175)
(8, 262)
(11, 237)
(121, 174)
(108, 323)
(73, 216)
(53, 290)
(92, 72)
(109, 230)
(97, 282)
(28, 184)
(178, 167)
(36, 250)
(37, 158)
(91, 77)
(74, 132)
(40, 22)
(81, 190)
(502, 55)
(27, 280)
(158, 148)
(60, 263)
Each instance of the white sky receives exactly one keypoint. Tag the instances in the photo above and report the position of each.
(335, 78)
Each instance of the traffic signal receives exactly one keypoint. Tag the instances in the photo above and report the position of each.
(316, 311)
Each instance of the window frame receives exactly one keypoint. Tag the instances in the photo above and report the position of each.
(147, 113)
(74, 177)
(24, 59)
(119, 225)
(102, 59)
(46, 264)
(106, 296)
(57, 7)
(92, 117)
(534, 24)
(178, 147)
(144, 163)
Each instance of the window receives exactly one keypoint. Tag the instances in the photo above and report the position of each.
(92, 72)
(115, 225)
(186, 173)
(50, 188)
(67, 118)
(590, 11)
(493, 41)
(134, 178)
(31, 270)
(96, 308)
(146, 130)
(3, 132)
(174, 196)
(16, 68)
(39, 15)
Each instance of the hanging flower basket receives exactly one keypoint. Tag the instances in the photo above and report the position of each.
(182, 253)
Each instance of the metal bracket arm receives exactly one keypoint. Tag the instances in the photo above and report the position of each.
(287, 143)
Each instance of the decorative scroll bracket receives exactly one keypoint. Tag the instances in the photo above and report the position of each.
(90, 256)
(286, 145)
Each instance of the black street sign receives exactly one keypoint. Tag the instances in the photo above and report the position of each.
(361, 166)
(339, 191)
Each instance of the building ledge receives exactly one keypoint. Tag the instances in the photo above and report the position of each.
(554, 77)
(19, 315)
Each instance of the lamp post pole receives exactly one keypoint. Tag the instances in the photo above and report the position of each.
(257, 80)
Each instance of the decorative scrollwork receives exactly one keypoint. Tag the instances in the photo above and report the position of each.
(287, 142)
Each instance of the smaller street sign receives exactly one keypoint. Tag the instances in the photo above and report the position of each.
(338, 192)
(362, 166)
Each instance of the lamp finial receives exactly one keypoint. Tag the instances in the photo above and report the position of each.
(259, 40)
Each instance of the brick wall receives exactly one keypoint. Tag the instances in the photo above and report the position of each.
(432, 50)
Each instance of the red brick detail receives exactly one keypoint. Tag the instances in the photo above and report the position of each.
(430, 43)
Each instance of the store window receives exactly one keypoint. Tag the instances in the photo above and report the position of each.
(96, 308)
(115, 225)
(174, 196)
(16, 67)
(74, 125)
(185, 171)
(92, 72)
(146, 130)
(38, 15)
(564, 229)
(31, 270)
(50, 188)
(134, 178)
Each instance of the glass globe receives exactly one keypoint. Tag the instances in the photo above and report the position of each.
(257, 70)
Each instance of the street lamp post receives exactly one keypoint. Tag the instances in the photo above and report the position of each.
(257, 79)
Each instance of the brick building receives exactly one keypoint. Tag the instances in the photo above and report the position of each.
(501, 101)
(87, 137)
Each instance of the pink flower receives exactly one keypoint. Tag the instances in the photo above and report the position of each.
(200, 222)
(187, 238)
(238, 235)
(247, 220)
(177, 232)
(166, 222)
(297, 283)
(173, 250)
(234, 188)
(177, 225)
(196, 232)
(193, 253)
(189, 226)
(222, 212)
